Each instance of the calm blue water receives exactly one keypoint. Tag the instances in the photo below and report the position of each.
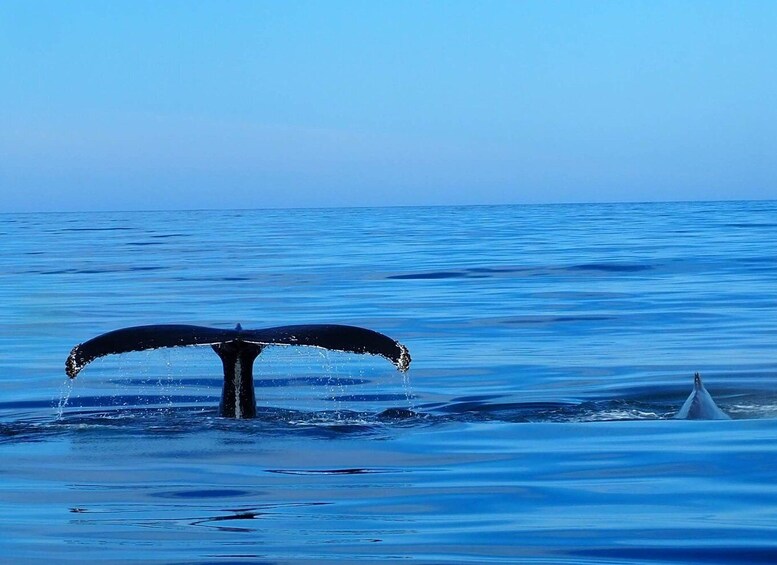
(551, 346)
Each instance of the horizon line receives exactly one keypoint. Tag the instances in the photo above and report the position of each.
(390, 206)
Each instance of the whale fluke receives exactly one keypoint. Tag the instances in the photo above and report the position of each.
(140, 338)
(238, 349)
(700, 405)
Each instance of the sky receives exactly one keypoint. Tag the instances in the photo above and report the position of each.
(145, 105)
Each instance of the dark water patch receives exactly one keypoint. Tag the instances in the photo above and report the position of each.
(610, 267)
(133, 269)
(216, 522)
(219, 279)
(178, 422)
(356, 471)
(529, 320)
(583, 295)
(480, 398)
(74, 272)
(483, 272)
(143, 243)
(210, 382)
(22, 404)
(178, 418)
(751, 225)
(116, 228)
(24, 432)
(469, 409)
(472, 272)
(229, 523)
(214, 279)
(168, 235)
(391, 414)
(203, 493)
(369, 398)
(430, 276)
(492, 270)
(237, 559)
(312, 381)
(237, 516)
(133, 401)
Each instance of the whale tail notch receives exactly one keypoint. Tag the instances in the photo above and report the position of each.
(700, 405)
(237, 350)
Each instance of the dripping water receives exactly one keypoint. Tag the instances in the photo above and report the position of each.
(64, 395)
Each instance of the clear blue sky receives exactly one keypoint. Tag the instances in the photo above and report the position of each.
(114, 105)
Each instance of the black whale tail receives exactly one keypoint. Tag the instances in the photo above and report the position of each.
(238, 349)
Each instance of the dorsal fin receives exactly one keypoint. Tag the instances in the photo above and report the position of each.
(700, 405)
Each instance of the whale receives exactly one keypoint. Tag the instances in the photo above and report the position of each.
(237, 349)
(700, 405)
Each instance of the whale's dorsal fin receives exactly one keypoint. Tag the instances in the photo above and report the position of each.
(328, 336)
(700, 405)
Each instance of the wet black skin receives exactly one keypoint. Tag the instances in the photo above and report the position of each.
(237, 349)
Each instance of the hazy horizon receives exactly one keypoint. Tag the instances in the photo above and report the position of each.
(390, 206)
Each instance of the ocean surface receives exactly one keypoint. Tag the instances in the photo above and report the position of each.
(551, 347)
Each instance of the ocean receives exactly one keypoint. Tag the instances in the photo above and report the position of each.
(551, 347)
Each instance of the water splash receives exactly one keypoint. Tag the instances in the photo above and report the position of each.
(407, 387)
(335, 385)
(64, 395)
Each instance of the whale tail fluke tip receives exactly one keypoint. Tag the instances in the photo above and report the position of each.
(403, 362)
(72, 366)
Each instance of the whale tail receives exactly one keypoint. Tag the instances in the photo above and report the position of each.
(238, 349)
(700, 405)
